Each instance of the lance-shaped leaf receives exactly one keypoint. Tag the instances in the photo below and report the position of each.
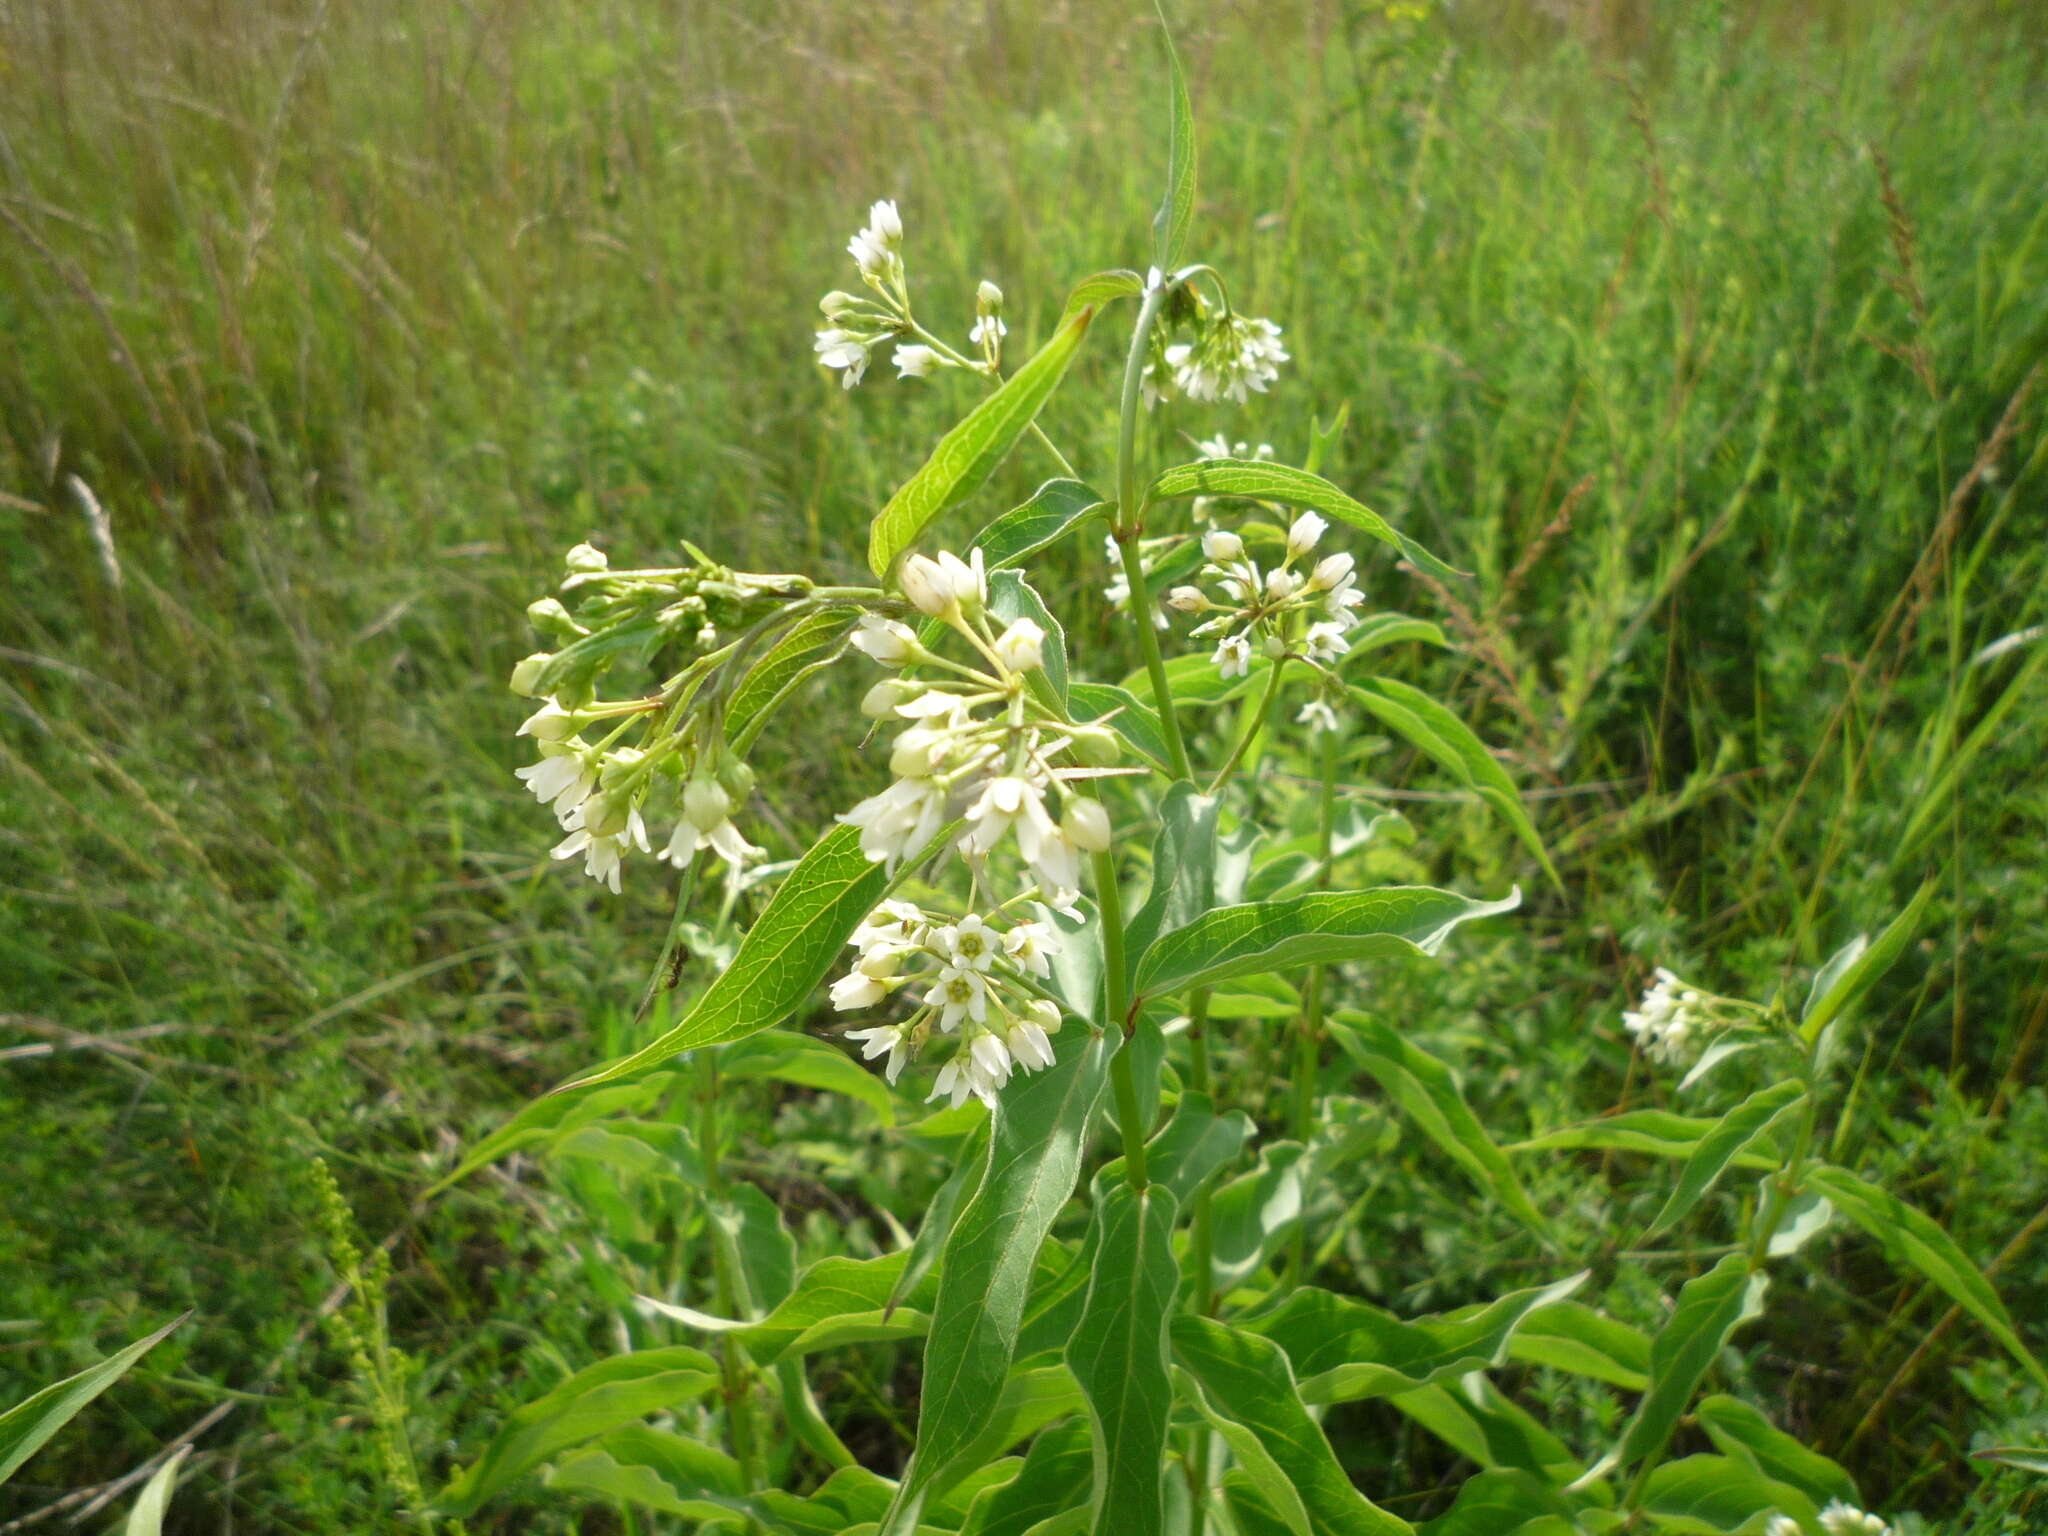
(1710, 1308)
(1654, 1132)
(1738, 1129)
(593, 1402)
(808, 1062)
(1010, 597)
(1322, 928)
(1858, 964)
(1030, 1399)
(1437, 733)
(1428, 1095)
(1194, 1145)
(1055, 1470)
(1720, 1493)
(551, 1119)
(1260, 481)
(810, 643)
(1572, 1337)
(1252, 1214)
(1177, 208)
(969, 454)
(836, 1301)
(1739, 1430)
(1023, 531)
(1099, 290)
(922, 1256)
(1033, 1163)
(659, 1470)
(1477, 1420)
(1242, 1385)
(29, 1423)
(151, 1505)
(1183, 869)
(784, 955)
(1914, 1237)
(1507, 1501)
(1343, 1350)
(1118, 1354)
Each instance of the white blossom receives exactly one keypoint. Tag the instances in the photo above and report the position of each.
(1032, 946)
(550, 722)
(603, 851)
(1326, 641)
(1319, 717)
(959, 995)
(1331, 571)
(1222, 546)
(914, 360)
(1233, 656)
(1840, 1519)
(1021, 647)
(1667, 1024)
(892, 1039)
(1188, 600)
(1234, 358)
(845, 350)
(889, 641)
(968, 945)
(1303, 534)
(987, 330)
(1027, 1039)
(1086, 824)
(938, 587)
(900, 820)
(564, 777)
(857, 990)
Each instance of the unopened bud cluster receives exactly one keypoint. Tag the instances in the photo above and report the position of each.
(855, 325)
(1675, 1019)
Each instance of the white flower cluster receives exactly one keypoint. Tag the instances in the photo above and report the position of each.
(855, 326)
(1118, 592)
(1838, 1519)
(1285, 611)
(1671, 1020)
(969, 980)
(1230, 358)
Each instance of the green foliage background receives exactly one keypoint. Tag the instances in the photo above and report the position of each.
(1702, 335)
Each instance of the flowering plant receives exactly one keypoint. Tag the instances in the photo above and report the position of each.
(1035, 919)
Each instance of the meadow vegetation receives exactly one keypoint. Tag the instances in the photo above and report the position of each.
(1709, 339)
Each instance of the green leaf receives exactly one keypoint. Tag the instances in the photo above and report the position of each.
(151, 1505)
(807, 1062)
(1382, 629)
(791, 659)
(1260, 481)
(1710, 1308)
(1034, 1161)
(658, 1470)
(1177, 208)
(1502, 1502)
(2026, 1458)
(783, 957)
(1250, 1215)
(1741, 1431)
(1194, 683)
(1716, 1494)
(593, 1402)
(746, 1223)
(1194, 1145)
(1121, 710)
(1573, 1337)
(1910, 1236)
(1077, 968)
(1098, 290)
(1325, 927)
(550, 1119)
(1857, 965)
(1023, 531)
(1030, 1399)
(836, 1301)
(1427, 1093)
(1183, 870)
(1654, 1132)
(1242, 1385)
(29, 1423)
(969, 454)
(1736, 1132)
(1475, 1419)
(1343, 1350)
(1055, 1469)
(1441, 735)
(925, 1249)
(638, 1149)
(1011, 597)
(1118, 1354)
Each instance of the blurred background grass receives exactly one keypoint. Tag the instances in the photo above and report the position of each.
(1703, 334)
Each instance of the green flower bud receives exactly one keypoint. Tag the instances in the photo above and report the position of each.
(1097, 746)
(551, 619)
(737, 778)
(526, 676)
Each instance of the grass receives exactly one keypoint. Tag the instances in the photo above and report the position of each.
(1710, 343)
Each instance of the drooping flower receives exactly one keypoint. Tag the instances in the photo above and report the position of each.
(1021, 647)
(565, 776)
(899, 820)
(890, 1039)
(915, 360)
(1319, 717)
(889, 641)
(1233, 656)
(603, 851)
(846, 351)
(1230, 360)
(1840, 1519)
(1668, 1022)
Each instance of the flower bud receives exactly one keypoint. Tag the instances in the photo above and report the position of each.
(1188, 600)
(1281, 585)
(605, 813)
(880, 701)
(1045, 1013)
(1086, 824)
(738, 780)
(1021, 647)
(838, 306)
(1274, 647)
(1302, 537)
(916, 752)
(925, 584)
(706, 804)
(526, 676)
(619, 765)
(550, 618)
(1330, 571)
(891, 643)
(1096, 746)
(550, 722)
(1221, 545)
(585, 559)
(988, 299)
(915, 361)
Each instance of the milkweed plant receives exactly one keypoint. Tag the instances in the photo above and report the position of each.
(1054, 888)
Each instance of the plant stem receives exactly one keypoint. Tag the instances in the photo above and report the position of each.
(1202, 1239)
(1251, 731)
(739, 1411)
(1308, 1045)
(1109, 901)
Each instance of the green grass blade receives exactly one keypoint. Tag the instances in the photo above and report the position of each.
(1856, 967)
(29, 1423)
(154, 1502)
(1177, 209)
(1119, 1355)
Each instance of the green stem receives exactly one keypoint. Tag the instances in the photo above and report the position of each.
(1202, 1239)
(1308, 1045)
(1109, 900)
(732, 1360)
(1251, 731)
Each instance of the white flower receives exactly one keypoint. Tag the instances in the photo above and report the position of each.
(987, 330)
(893, 922)
(1222, 546)
(1326, 642)
(1665, 1023)
(891, 1038)
(1027, 1038)
(1782, 1525)
(1233, 656)
(880, 702)
(1004, 803)
(874, 247)
(1032, 946)
(1318, 716)
(938, 586)
(846, 350)
(968, 945)
(915, 361)
(883, 960)
(1188, 600)
(1840, 1519)
(1331, 571)
(1238, 355)
(978, 1072)
(564, 775)
(550, 722)
(603, 852)
(1086, 824)
(958, 994)
(707, 823)
(1021, 647)
(899, 820)
(888, 641)
(855, 990)
(1302, 536)
(1217, 447)
(1281, 584)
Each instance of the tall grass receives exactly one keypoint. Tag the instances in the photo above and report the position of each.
(1705, 339)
